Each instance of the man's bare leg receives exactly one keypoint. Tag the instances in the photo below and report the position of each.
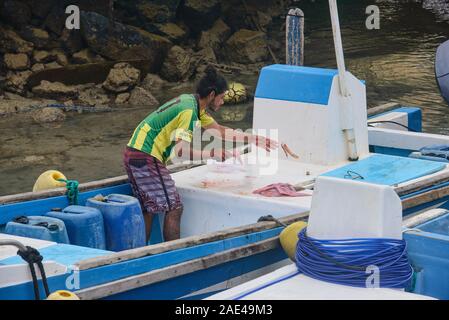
(148, 218)
(172, 225)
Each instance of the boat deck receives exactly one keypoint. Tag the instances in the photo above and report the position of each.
(288, 284)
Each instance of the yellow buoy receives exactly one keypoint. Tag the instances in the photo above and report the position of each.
(236, 93)
(289, 238)
(49, 180)
(63, 295)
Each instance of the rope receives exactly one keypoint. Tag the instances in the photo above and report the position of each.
(271, 218)
(392, 122)
(32, 256)
(346, 261)
(72, 190)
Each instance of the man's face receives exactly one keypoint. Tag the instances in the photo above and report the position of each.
(216, 101)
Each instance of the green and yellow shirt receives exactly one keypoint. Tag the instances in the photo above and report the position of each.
(173, 121)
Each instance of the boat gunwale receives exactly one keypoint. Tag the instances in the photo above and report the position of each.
(187, 242)
(177, 270)
(233, 232)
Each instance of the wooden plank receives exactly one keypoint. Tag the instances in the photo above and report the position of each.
(185, 242)
(177, 270)
(426, 197)
(383, 108)
(432, 180)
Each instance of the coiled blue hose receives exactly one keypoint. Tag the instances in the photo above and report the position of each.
(346, 261)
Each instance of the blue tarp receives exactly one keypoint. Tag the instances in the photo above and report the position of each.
(386, 170)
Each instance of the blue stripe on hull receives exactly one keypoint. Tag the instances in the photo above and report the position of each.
(125, 269)
(391, 151)
(178, 287)
(113, 272)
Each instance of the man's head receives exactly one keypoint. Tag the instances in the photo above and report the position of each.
(212, 88)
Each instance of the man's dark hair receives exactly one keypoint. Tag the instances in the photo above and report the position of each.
(212, 81)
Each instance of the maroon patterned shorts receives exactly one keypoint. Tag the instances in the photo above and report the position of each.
(151, 182)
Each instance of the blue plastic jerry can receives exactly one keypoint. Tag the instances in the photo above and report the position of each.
(123, 221)
(38, 227)
(85, 226)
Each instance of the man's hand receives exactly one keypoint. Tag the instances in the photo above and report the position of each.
(221, 154)
(265, 143)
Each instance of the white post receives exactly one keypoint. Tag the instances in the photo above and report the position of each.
(338, 47)
(347, 119)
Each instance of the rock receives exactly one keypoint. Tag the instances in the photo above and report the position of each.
(177, 65)
(141, 97)
(16, 13)
(85, 56)
(122, 98)
(92, 97)
(55, 90)
(12, 106)
(52, 65)
(55, 21)
(13, 96)
(207, 55)
(247, 46)
(172, 32)
(43, 9)
(200, 15)
(17, 61)
(124, 43)
(235, 19)
(41, 56)
(69, 103)
(61, 58)
(121, 78)
(16, 81)
(153, 82)
(71, 40)
(11, 42)
(48, 114)
(37, 67)
(264, 20)
(153, 12)
(215, 37)
(38, 37)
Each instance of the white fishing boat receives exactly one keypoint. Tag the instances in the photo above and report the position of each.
(321, 115)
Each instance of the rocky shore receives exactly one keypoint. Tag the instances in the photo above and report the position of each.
(439, 7)
(121, 57)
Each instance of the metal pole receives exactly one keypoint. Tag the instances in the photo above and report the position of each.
(294, 33)
(13, 243)
(338, 47)
(346, 108)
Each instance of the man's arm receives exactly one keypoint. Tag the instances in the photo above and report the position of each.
(229, 134)
(184, 150)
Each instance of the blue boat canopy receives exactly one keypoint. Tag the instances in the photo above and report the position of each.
(294, 83)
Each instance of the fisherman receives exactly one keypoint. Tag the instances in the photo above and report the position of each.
(167, 132)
